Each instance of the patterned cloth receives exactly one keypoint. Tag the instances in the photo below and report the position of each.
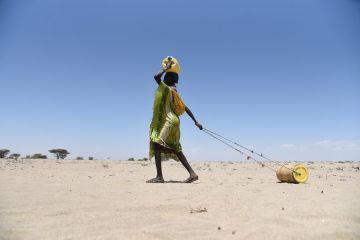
(165, 124)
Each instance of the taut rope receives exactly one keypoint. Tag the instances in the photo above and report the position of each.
(227, 142)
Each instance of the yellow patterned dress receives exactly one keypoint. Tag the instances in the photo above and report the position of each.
(165, 124)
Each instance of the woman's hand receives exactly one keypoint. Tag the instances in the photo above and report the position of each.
(157, 76)
(199, 125)
(188, 111)
(168, 65)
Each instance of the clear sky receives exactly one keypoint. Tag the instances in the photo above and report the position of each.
(280, 76)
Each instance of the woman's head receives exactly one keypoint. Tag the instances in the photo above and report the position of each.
(171, 78)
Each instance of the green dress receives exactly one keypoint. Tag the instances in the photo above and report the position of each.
(165, 124)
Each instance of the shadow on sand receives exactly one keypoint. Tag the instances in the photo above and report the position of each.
(174, 181)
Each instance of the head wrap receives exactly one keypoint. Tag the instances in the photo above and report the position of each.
(175, 67)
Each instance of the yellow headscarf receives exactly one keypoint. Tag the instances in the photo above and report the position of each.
(175, 67)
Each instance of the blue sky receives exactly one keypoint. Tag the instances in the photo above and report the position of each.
(282, 77)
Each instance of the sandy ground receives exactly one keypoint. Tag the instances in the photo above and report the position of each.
(49, 199)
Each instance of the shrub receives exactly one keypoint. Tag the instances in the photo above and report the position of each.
(14, 156)
(38, 156)
(4, 153)
(59, 153)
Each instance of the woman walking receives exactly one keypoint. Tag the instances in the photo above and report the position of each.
(165, 124)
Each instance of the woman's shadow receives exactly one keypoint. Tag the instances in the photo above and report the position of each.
(175, 181)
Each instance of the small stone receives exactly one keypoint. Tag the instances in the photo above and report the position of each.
(282, 208)
(322, 191)
(219, 228)
(233, 232)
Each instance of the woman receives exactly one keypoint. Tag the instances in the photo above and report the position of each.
(165, 124)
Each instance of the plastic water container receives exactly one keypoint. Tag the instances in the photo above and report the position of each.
(175, 67)
(292, 173)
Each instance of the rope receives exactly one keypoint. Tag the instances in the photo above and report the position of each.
(247, 149)
(218, 137)
(247, 156)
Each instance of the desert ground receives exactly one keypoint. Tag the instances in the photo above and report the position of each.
(109, 199)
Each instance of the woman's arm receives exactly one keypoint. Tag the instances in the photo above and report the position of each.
(188, 111)
(158, 76)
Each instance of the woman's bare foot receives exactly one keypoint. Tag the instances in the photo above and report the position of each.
(156, 180)
(191, 179)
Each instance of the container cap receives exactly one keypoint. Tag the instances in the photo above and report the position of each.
(300, 173)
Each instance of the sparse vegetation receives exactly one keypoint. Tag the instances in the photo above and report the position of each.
(4, 153)
(59, 153)
(131, 159)
(91, 158)
(14, 156)
(79, 158)
(38, 156)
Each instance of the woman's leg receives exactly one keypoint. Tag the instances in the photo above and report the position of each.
(159, 177)
(193, 176)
